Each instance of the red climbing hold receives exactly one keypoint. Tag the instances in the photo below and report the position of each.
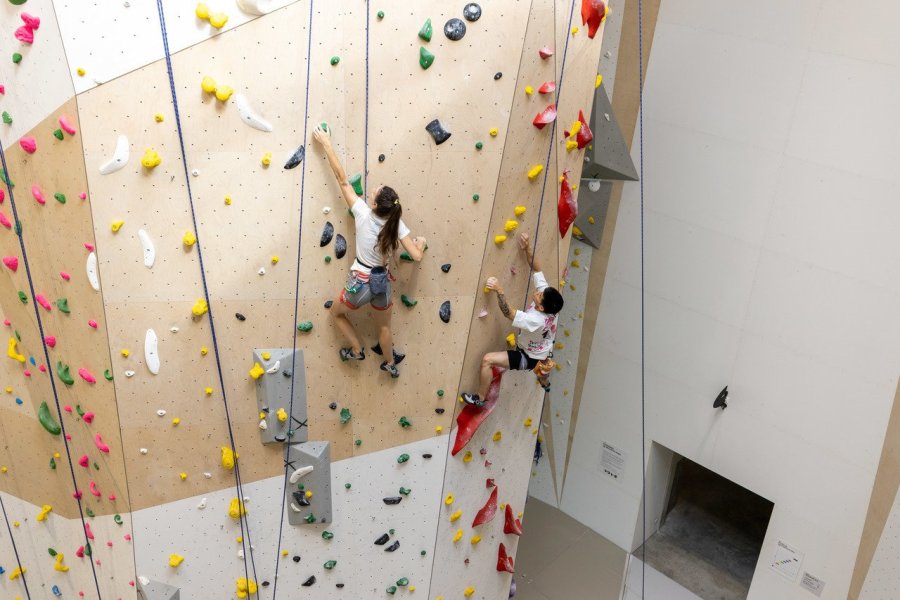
(593, 12)
(487, 511)
(471, 417)
(585, 135)
(490, 483)
(567, 208)
(11, 262)
(511, 523)
(545, 52)
(504, 561)
(547, 87)
(548, 115)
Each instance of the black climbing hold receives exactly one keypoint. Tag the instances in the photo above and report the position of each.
(340, 246)
(287, 373)
(392, 499)
(381, 158)
(328, 303)
(333, 406)
(426, 456)
(445, 268)
(240, 317)
(300, 497)
(437, 132)
(296, 158)
(393, 546)
(280, 438)
(382, 540)
(472, 12)
(327, 234)
(340, 586)
(310, 581)
(497, 75)
(444, 312)
(439, 411)
(455, 29)
(296, 558)
(265, 584)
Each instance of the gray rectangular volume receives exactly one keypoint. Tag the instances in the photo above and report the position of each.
(593, 204)
(157, 590)
(300, 457)
(273, 392)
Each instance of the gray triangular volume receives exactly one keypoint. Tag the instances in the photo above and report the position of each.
(609, 158)
(157, 590)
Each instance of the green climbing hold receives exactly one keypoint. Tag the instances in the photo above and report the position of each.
(108, 375)
(327, 259)
(404, 422)
(324, 126)
(403, 582)
(380, 14)
(79, 410)
(407, 301)
(18, 228)
(7, 118)
(426, 58)
(60, 197)
(18, 337)
(358, 442)
(329, 564)
(405, 256)
(422, 553)
(87, 549)
(63, 305)
(479, 145)
(426, 31)
(96, 467)
(58, 134)
(310, 518)
(47, 421)
(475, 197)
(51, 551)
(23, 298)
(391, 531)
(63, 372)
(403, 458)
(391, 590)
(335, 60)
(405, 491)
(89, 512)
(356, 182)
(52, 463)
(440, 393)
(345, 415)
(347, 486)
(4, 176)
(305, 326)
(117, 519)
(18, 2)
(17, 58)
(327, 535)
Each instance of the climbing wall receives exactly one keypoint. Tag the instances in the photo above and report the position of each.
(163, 239)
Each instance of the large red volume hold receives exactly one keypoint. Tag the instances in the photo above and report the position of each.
(471, 417)
(511, 524)
(567, 208)
(548, 115)
(504, 561)
(585, 136)
(487, 511)
(593, 12)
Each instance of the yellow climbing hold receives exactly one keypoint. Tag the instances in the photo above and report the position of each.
(227, 200)
(448, 500)
(9, 390)
(455, 515)
(511, 340)
(257, 371)
(535, 171)
(571, 145)
(511, 226)
(458, 536)
(176, 421)
(159, 118)
(527, 422)
(574, 186)
(275, 260)
(223, 93)
(574, 129)
(45, 510)
(200, 308)
(228, 456)
(520, 210)
(576, 231)
(438, 429)
(81, 72)
(475, 539)
(189, 238)
(499, 239)
(202, 11)
(559, 345)
(574, 30)
(218, 20)
(494, 131)
(266, 356)
(18, 572)
(467, 457)
(591, 220)
(281, 414)
(245, 587)
(203, 352)
(175, 560)
(267, 159)
(125, 352)
(575, 263)
(577, 252)
(116, 226)
(308, 494)
(150, 159)
(208, 391)
(208, 84)
(468, 591)
(11, 351)
(284, 552)
(236, 509)
(598, 81)
(411, 588)
(498, 435)
(529, 90)
(3, 469)
(59, 566)
(567, 332)
(183, 475)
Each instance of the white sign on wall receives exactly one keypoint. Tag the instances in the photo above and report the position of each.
(612, 461)
(812, 583)
(787, 560)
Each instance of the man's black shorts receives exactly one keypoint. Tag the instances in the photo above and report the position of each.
(519, 361)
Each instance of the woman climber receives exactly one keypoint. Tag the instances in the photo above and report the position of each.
(379, 231)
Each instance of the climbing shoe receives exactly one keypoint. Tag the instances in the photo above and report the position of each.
(348, 354)
(392, 369)
(398, 356)
(545, 383)
(472, 399)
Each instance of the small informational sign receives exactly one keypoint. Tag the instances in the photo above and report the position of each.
(612, 461)
(812, 583)
(786, 561)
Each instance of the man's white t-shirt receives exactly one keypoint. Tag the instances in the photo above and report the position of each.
(368, 226)
(537, 330)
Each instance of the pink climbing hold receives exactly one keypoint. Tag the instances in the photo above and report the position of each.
(87, 531)
(86, 375)
(42, 300)
(66, 125)
(545, 52)
(2, 89)
(101, 445)
(2, 196)
(42, 368)
(29, 144)
(88, 417)
(547, 87)
(65, 275)
(26, 373)
(77, 494)
(83, 461)
(80, 552)
(69, 437)
(89, 246)
(5, 221)
(11, 262)
(92, 323)
(50, 340)
(127, 537)
(31, 21)
(83, 195)
(108, 544)
(111, 497)
(93, 487)
(7, 322)
(67, 408)
(38, 194)
(548, 115)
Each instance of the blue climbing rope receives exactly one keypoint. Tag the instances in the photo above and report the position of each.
(296, 299)
(246, 542)
(15, 549)
(40, 323)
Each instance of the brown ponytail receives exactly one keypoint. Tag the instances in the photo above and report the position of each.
(387, 206)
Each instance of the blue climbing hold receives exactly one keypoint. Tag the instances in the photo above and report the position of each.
(32, 361)
(56, 591)
(19, 402)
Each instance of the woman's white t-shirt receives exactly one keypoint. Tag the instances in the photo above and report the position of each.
(368, 226)
(537, 330)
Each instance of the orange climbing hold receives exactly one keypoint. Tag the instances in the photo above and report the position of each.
(592, 14)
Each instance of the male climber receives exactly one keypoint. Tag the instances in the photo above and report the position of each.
(537, 330)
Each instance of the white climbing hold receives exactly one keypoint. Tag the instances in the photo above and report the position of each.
(202, 504)
(255, 7)
(195, 172)
(274, 368)
(141, 578)
(161, 412)
(151, 353)
(149, 250)
(483, 313)
(295, 508)
(119, 159)
(326, 210)
(174, 329)
(263, 425)
(144, 451)
(249, 116)
(208, 475)
(129, 373)
(302, 471)
(91, 268)
(262, 271)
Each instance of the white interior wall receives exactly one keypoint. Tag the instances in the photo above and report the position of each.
(771, 265)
